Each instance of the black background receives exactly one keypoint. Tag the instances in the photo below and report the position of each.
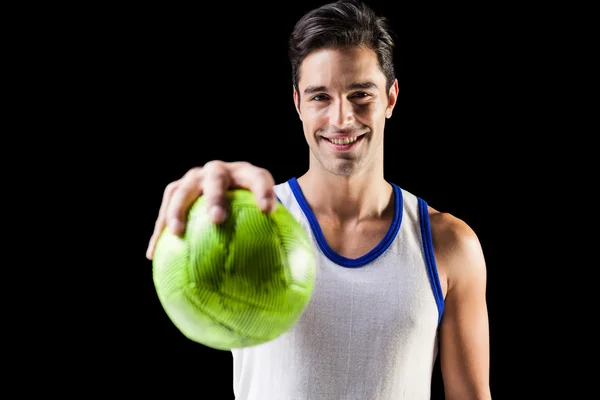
(213, 82)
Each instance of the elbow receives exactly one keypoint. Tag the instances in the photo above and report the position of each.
(479, 393)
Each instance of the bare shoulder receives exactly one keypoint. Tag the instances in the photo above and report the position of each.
(457, 248)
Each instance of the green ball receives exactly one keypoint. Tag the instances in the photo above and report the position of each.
(237, 284)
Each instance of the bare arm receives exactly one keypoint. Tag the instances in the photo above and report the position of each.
(464, 330)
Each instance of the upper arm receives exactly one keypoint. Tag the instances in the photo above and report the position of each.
(464, 329)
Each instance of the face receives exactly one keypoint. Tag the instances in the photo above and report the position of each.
(343, 106)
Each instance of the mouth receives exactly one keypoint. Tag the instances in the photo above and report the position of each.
(344, 142)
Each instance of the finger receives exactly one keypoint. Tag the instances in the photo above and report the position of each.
(215, 184)
(187, 192)
(256, 179)
(160, 223)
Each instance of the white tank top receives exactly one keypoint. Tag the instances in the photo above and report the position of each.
(370, 329)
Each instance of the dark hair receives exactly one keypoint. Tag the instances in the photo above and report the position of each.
(344, 23)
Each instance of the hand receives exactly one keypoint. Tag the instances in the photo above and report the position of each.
(212, 181)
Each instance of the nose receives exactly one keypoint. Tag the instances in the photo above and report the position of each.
(341, 113)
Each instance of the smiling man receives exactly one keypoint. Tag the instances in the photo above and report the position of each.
(398, 282)
(345, 100)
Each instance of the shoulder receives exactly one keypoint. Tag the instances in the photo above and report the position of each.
(457, 248)
(451, 234)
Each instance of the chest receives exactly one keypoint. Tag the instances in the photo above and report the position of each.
(389, 297)
(353, 241)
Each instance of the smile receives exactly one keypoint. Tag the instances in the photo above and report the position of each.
(343, 140)
(343, 143)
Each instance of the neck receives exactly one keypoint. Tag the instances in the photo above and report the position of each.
(346, 198)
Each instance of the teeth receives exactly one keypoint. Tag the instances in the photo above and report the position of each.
(344, 140)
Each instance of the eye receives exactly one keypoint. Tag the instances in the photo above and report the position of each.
(319, 97)
(360, 95)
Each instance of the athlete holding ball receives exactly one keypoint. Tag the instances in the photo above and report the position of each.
(398, 282)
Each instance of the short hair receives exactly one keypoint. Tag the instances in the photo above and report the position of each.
(342, 24)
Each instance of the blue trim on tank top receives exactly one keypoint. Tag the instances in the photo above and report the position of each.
(328, 251)
(432, 271)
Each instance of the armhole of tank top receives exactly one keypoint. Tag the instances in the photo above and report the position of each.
(430, 257)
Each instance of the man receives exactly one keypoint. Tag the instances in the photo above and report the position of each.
(397, 280)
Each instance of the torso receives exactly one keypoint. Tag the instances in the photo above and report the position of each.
(356, 241)
(370, 329)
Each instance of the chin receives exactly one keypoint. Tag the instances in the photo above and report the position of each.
(344, 168)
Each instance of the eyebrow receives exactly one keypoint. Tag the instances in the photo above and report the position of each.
(352, 86)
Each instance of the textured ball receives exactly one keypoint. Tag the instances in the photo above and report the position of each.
(237, 284)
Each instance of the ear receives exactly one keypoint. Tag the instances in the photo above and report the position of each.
(393, 97)
(297, 102)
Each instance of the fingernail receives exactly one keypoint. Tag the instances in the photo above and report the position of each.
(175, 225)
(216, 213)
(265, 204)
